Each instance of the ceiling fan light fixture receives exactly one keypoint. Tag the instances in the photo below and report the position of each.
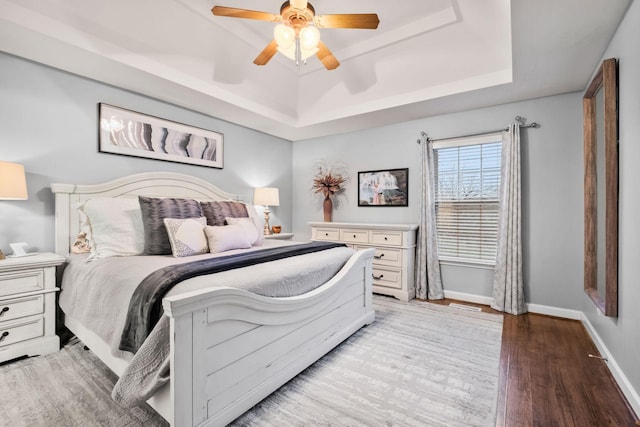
(289, 52)
(309, 38)
(285, 36)
(307, 53)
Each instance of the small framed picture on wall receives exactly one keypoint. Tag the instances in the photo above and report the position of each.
(387, 187)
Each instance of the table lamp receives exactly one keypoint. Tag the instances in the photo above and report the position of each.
(13, 184)
(266, 196)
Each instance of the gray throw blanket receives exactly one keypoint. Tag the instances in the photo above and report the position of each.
(145, 307)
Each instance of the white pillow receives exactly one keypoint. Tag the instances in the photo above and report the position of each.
(259, 222)
(115, 226)
(186, 236)
(248, 225)
(226, 237)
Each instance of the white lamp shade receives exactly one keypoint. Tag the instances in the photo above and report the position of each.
(309, 37)
(13, 182)
(266, 196)
(284, 36)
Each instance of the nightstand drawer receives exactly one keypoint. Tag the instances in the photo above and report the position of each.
(387, 277)
(386, 256)
(20, 307)
(386, 238)
(25, 329)
(354, 236)
(332, 235)
(21, 281)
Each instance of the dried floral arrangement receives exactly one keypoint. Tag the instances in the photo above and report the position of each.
(330, 180)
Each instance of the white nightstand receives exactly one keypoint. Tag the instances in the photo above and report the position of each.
(279, 236)
(28, 305)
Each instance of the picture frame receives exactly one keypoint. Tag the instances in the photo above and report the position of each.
(386, 187)
(135, 134)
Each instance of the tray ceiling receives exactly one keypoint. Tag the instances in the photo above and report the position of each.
(426, 57)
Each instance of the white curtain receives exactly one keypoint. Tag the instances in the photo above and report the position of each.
(508, 286)
(428, 279)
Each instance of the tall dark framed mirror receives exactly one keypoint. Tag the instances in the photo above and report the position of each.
(600, 109)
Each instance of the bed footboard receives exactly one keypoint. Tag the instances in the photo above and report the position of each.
(231, 348)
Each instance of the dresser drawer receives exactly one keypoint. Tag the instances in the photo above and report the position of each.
(26, 329)
(389, 278)
(386, 238)
(330, 234)
(20, 307)
(354, 236)
(21, 281)
(388, 256)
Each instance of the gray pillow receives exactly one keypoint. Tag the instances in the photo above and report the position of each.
(216, 212)
(154, 211)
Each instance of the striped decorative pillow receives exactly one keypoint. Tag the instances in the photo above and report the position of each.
(154, 211)
(216, 212)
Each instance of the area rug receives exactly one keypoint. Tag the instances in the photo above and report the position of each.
(419, 364)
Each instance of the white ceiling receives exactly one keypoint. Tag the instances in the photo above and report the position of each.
(426, 57)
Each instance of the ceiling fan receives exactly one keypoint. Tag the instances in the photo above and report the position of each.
(296, 35)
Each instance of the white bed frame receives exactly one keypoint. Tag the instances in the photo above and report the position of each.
(229, 348)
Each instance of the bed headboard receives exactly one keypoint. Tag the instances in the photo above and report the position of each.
(151, 184)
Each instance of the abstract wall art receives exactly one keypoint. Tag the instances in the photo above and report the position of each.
(135, 134)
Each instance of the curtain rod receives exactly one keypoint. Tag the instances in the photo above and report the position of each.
(521, 120)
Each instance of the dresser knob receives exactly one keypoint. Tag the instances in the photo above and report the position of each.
(379, 256)
(3, 311)
(378, 277)
(386, 238)
(326, 234)
(354, 236)
(4, 335)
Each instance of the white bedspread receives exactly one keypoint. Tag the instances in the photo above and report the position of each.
(97, 294)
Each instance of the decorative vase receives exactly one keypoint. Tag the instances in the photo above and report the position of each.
(327, 206)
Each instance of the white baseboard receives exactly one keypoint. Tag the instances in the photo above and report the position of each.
(531, 308)
(554, 311)
(623, 382)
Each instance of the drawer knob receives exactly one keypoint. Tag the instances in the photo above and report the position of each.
(3, 311)
(4, 335)
(379, 256)
(378, 277)
(386, 238)
(326, 234)
(354, 236)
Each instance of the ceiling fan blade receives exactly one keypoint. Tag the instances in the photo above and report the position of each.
(266, 54)
(368, 21)
(326, 57)
(233, 12)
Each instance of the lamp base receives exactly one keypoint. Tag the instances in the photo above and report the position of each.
(267, 228)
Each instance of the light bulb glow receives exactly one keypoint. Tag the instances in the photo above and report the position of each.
(284, 36)
(309, 37)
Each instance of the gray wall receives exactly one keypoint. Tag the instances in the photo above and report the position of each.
(551, 179)
(48, 122)
(622, 334)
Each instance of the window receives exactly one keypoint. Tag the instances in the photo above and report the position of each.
(467, 175)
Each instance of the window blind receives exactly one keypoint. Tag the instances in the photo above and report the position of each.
(467, 199)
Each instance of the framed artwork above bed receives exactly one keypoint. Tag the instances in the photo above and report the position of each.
(135, 134)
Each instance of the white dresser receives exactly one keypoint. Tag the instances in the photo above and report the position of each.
(394, 260)
(28, 305)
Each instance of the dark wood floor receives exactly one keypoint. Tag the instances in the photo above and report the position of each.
(548, 379)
